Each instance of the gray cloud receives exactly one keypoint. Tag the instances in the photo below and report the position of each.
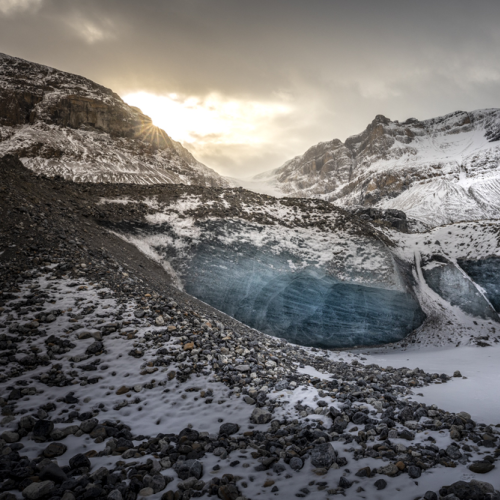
(338, 63)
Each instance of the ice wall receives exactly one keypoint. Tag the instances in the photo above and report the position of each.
(451, 283)
(306, 307)
(325, 291)
(486, 273)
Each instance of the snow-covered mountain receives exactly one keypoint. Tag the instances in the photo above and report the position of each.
(62, 124)
(439, 171)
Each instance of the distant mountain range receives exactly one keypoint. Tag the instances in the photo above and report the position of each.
(58, 123)
(438, 171)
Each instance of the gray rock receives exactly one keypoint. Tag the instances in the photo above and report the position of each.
(242, 368)
(281, 385)
(42, 430)
(99, 474)
(53, 472)
(94, 348)
(189, 468)
(54, 450)
(10, 437)
(37, 490)
(89, 425)
(464, 416)
(27, 422)
(229, 429)
(279, 467)
(380, 484)
(323, 455)
(344, 483)
(296, 463)
(481, 467)
(68, 496)
(359, 418)
(483, 486)
(228, 492)
(157, 482)
(406, 434)
(388, 470)
(79, 461)
(465, 491)
(453, 452)
(115, 495)
(414, 472)
(261, 416)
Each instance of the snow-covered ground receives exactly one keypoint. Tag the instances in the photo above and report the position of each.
(477, 393)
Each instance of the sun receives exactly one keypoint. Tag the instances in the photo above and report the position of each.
(213, 118)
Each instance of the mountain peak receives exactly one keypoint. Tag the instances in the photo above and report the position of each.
(59, 123)
(440, 170)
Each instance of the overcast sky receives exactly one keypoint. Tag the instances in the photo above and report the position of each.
(246, 85)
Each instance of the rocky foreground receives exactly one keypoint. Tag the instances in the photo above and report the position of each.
(114, 384)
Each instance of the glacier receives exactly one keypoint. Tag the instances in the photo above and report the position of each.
(450, 283)
(309, 272)
(273, 289)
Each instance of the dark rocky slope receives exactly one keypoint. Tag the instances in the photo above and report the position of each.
(86, 320)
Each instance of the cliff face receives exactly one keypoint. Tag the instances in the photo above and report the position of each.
(439, 171)
(63, 124)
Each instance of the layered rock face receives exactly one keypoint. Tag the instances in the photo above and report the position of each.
(63, 124)
(438, 171)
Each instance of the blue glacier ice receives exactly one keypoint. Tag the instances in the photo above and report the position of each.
(270, 285)
(486, 273)
(305, 307)
(447, 280)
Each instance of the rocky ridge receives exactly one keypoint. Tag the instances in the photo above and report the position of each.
(62, 124)
(438, 171)
(104, 363)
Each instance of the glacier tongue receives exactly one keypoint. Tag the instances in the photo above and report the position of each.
(315, 275)
(312, 288)
(306, 307)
